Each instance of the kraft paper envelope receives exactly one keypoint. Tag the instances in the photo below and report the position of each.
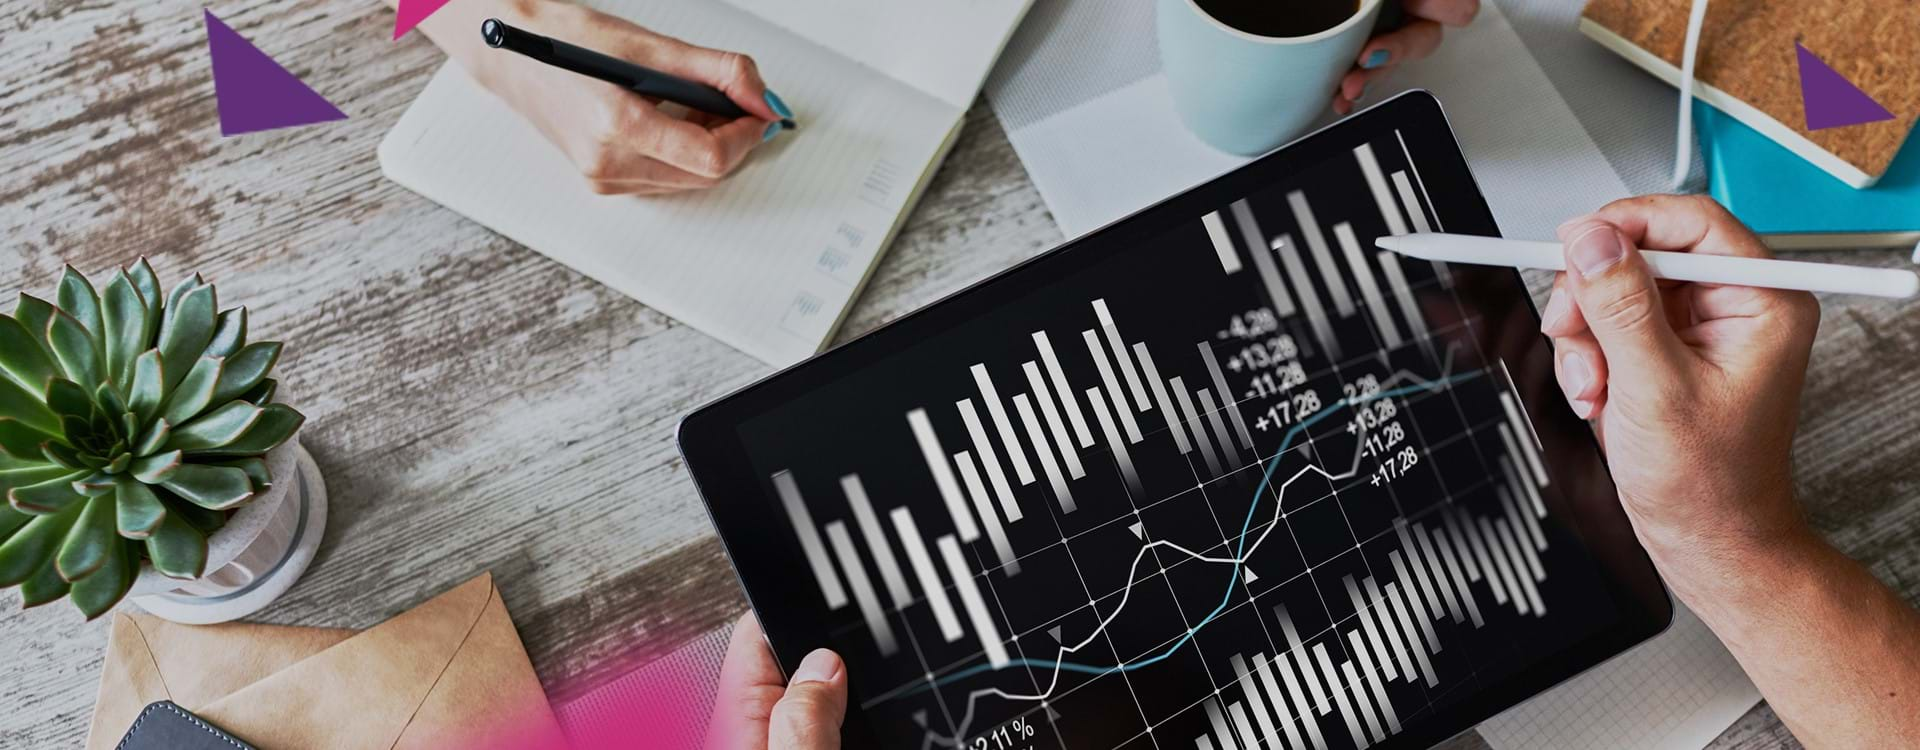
(450, 673)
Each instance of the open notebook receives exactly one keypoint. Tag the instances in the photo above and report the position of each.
(769, 261)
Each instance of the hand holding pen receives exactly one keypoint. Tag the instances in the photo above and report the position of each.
(621, 142)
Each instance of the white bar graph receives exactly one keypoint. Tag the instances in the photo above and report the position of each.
(1217, 233)
(1521, 426)
(1198, 428)
(1369, 289)
(876, 539)
(1227, 400)
(1414, 212)
(1459, 578)
(1340, 694)
(1527, 551)
(1040, 450)
(1377, 184)
(1289, 253)
(1111, 383)
(1220, 728)
(1504, 564)
(984, 449)
(1259, 704)
(924, 572)
(1256, 241)
(1160, 397)
(1238, 712)
(1212, 410)
(1119, 448)
(863, 594)
(1322, 257)
(970, 599)
(1061, 439)
(1419, 216)
(1516, 488)
(1403, 294)
(1119, 350)
(1360, 697)
(999, 413)
(995, 534)
(1299, 651)
(1384, 610)
(1396, 596)
(1423, 618)
(1066, 391)
(810, 544)
(1367, 626)
(1527, 585)
(936, 458)
(1400, 527)
(1440, 573)
(1381, 701)
(1280, 701)
(1466, 554)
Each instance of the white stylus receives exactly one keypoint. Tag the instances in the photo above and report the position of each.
(1710, 269)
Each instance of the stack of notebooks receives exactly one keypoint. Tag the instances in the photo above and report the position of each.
(1809, 108)
(769, 261)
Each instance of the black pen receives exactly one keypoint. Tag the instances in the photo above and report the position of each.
(633, 77)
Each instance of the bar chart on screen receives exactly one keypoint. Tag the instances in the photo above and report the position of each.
(1269, 491)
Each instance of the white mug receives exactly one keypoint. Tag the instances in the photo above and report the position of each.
(1244, 93)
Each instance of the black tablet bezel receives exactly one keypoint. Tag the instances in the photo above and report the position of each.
(765, 555)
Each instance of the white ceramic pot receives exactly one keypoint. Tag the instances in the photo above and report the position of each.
(262, 550)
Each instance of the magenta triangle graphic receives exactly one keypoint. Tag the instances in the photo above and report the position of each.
(1831, 100)
(411, 13)
(254, 92)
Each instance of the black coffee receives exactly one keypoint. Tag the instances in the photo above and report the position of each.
(1280, 17)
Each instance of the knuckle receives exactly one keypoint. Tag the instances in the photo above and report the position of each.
(756, 703)
(707, 157)
(737, 67)
(807, 711)
(1632, 309)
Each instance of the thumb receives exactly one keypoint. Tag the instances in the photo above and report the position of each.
(808, 717)
(1616, 294)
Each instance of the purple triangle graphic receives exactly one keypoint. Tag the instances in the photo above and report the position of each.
(254, 92)
(1831, 100)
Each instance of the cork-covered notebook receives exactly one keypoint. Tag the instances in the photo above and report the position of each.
(1748, 66)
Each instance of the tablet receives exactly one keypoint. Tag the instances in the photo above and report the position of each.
(1218, 476)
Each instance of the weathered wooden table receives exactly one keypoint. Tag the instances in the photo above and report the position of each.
(475, 406)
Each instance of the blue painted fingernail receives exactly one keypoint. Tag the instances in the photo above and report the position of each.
(1377, 59)
(779, 107)
(773, 129)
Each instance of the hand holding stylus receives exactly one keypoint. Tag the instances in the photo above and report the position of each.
(1694, 391)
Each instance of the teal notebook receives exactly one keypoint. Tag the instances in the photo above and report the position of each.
(1775, 191)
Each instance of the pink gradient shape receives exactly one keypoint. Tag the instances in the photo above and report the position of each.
(412, 12)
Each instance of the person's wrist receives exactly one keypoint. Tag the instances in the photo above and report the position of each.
(1733, 563)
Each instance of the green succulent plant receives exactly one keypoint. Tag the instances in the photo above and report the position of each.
(131, 424)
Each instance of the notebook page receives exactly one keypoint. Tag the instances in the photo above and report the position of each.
(1678, 691)
(768, 261)
(942, 47)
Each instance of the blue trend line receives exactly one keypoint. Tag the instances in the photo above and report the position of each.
(1266, 478)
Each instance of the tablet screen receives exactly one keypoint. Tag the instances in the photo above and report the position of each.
(1220, 476)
